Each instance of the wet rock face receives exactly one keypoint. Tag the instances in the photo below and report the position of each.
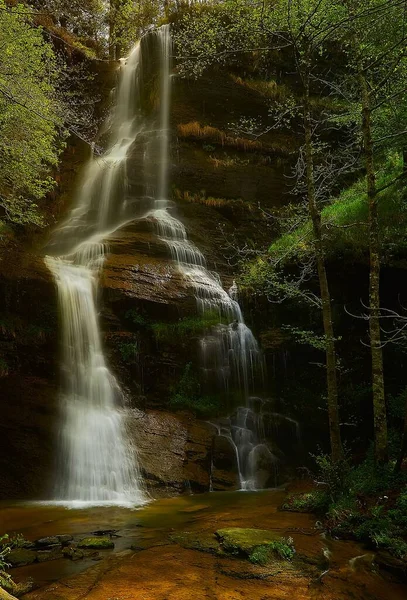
(138, 275)
(138, 267)
(175, 453)
(225, 473)
(28, 373)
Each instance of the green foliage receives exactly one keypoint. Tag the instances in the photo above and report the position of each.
(30, 116)
(345, 219)
(129, 351)
(6, 581)
(136, 317)
(304, 336)
(331, 474)
(5, 549)
(185, 328)
(283, 548)
(366, 508)
(344, 223)
(368, 478)
(314, 501)
(187, 396)
(129, 20)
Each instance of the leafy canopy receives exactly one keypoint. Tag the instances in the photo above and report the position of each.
(30, 116)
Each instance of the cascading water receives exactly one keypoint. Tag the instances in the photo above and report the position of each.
(97, 463)
(229, 352)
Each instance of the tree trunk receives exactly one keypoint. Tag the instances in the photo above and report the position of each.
(331, 376)
(403, 450)
(379, 403)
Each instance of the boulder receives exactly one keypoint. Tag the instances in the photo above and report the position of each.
(19, 557)
(64, 539)
(48, 542)
(73, 553)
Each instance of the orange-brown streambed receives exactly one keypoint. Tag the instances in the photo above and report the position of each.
(166, 566)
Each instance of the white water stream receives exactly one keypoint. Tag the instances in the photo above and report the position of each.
(97, 462)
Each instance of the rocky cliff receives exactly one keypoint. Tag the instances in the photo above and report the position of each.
(217, 180)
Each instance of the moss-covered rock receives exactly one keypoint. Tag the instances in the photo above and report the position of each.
(73, 553)
(47, 542)
(21, 557)
(236, 540)
(98, 543)
(53, 554)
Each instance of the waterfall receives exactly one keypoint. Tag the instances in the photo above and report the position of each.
(229, 352)
(128, 183)
(97, 462)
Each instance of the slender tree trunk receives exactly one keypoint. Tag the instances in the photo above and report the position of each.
(331, 376)
(114, 45)
(403, 450)
(112, 19)
(379, 403)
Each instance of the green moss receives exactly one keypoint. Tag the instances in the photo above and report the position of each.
(236, 540)
(98, 543)
(345, 222)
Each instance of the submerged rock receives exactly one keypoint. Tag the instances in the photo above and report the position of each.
(97, 543)
(54, 554)
(73, 553)
(201, 540)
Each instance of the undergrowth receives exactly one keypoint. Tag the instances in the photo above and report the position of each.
(185, 328)
(367, 503)
(283, 548)
(187, 395)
